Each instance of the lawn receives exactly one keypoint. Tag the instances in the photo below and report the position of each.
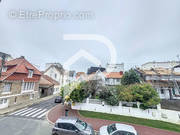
(133, 120)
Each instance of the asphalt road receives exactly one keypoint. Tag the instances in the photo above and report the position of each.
(28, 121)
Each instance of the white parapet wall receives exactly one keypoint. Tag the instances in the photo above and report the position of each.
(153, 114)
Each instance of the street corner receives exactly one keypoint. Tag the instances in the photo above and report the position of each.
(55, 113)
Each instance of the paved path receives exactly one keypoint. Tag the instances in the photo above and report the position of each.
(58, 111)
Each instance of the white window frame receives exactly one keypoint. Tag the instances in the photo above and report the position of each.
(3, 101)
(30, 74)
(55, 76)
(7, 88)
(4, 69)
(27, 87)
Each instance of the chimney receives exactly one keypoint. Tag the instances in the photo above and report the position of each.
(121, 72)
(22, 57)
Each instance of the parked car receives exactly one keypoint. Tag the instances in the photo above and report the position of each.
(72, 126)
(58, 99)
(118, 129)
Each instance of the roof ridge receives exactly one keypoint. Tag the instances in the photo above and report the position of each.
(18, 64)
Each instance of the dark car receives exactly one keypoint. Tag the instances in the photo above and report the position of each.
(58, 99)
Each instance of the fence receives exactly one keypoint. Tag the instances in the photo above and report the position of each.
(154, 114)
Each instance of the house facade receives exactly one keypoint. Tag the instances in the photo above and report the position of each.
(19, 82)
(163, 81)
(81, 76)
(113, 78)
(56, 72)
(115, 68)
(8, 57)
(69, 77)
(109, 79)
(155, 65)
(48, 86)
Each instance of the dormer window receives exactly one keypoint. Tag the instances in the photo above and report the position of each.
(30, 74)
(4, 69)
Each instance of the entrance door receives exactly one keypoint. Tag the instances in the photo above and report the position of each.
(15, 100)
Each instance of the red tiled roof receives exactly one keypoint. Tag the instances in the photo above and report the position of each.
(18, 65)
(44, 82)
(78, 74)
(114, 75)
(51, 80)
(157, 71)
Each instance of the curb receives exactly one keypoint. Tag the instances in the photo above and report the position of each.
(27, 105)
(50, 122)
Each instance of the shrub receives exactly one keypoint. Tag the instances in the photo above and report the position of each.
(112, 100)
(79, 93)
(109, 97)
(143, 93)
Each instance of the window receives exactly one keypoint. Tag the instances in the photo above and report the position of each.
(4, 69)
(118, 80)
(28, 86)
(123, 133)
(71, 127)
(3, 101)
(30, 75)
(63, 126)
(162, 90)
(81, 125)
(55, 76)
(7, 87)
(111, 128)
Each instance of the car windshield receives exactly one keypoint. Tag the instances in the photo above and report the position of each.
(81, 125)
(111, 128)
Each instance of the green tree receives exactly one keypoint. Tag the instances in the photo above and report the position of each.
(130, 77)
(62, 92)
(79, 93)
(143, 93)
(108, 95)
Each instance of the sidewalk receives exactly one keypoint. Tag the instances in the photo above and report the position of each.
(59, 111)
(25, 104)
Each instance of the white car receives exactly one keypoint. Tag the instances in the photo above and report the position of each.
(118, 129)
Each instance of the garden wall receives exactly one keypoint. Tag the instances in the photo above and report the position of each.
(154, 114)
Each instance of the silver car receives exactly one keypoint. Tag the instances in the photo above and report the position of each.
(118, 129)
(72, 126)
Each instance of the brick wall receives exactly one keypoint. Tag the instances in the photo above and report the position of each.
(16, 89)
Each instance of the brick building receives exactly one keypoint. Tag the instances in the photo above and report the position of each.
(19, 82)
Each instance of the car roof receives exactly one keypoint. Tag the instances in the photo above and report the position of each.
(123, 127)
(71, 120)
(58, 97)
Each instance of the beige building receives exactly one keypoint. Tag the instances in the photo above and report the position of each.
(163, 80)
(19, 82)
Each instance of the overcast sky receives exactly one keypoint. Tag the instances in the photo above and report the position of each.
(141, 31)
